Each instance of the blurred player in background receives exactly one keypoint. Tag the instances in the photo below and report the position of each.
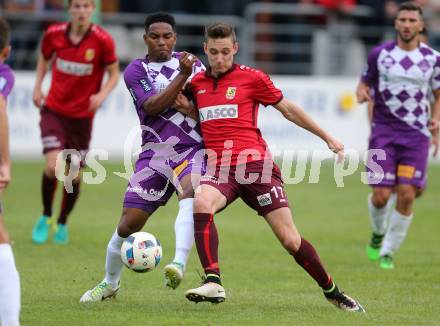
(79, 53)
(170, 142)
(400, 75)
(227, 97)
(9, 279)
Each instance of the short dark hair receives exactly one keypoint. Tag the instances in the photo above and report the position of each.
(69, 3)
(410, 6)
(4, 33)
(160, 17)
(220, 30)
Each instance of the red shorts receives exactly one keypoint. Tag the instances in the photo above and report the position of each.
(59, 132)
(261, 187)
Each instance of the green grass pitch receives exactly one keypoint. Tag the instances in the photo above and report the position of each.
(263, 283)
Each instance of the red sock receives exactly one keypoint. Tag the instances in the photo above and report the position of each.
(69, 200)
(206, 237)
(48, 187)
(308, 258)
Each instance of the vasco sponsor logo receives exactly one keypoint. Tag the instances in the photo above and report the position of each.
(74, 68)
(145, 85)
(218, 112)
(264, 199)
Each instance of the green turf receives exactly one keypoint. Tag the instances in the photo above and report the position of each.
(264, 285)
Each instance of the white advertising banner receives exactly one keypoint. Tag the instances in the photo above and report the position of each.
(330, 101)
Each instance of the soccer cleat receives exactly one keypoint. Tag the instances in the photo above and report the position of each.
(343, 301)
(373, 254)
(61, 234)
(40, 232)
(373, 249)
(211, 292)
(174, 274)
(386, 262)
(99, 293)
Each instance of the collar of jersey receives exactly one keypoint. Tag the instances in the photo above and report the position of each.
(209, 75)
(86, 34)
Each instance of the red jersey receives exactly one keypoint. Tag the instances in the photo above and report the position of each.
(77, 69)
(228, 111)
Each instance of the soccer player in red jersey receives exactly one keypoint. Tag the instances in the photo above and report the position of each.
(227, 98)
(79, 53)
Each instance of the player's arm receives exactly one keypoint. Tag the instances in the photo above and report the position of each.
(42, 67)
(435, 114)
(370, 109)
(113, 76)
(5, 163)
(434, 123)
(156, 104)
(298, 116)
(185, 106)
(363, 93)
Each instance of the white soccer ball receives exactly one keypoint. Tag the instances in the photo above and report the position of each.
(141, 252)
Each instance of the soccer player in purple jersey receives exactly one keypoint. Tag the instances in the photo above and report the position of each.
(170, 160)
(9, 279)
(401, 74)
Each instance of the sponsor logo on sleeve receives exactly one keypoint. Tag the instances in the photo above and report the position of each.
(133, 94)
(218, 112)
(145, 85)
(264, 199)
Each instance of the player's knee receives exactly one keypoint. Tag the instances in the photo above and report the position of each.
(406, 197)
(202, 205)
(291, 243)
(50, 169)
(380, 199)
(125, 228)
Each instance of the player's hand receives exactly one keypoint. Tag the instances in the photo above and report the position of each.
(38, 98)
(336, 147)
(182, 104)
(95, 102)
(433, 126)
(435, 141)
(436, 144)
(5, 176)
(186, 63)
(363, 93)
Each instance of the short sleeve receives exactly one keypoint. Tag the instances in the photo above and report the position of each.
(47, 47)
(435, 81)
(138, 83)
(264, 90)
(109, 50)
(6, 83)
(371, 73)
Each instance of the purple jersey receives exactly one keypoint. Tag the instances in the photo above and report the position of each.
(6, 80)
(145, 79)
(402, 82)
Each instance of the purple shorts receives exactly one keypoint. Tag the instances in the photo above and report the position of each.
(403, 159)
(155, 180)
(264, 194)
